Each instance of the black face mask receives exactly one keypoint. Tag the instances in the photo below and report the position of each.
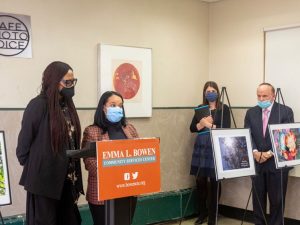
(67, 92)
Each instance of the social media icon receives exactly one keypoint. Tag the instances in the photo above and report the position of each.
(134, 175)
(126, 176)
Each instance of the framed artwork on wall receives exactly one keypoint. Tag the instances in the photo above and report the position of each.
(127, 70)
(232, 150)
(5, 193)
(286, 144)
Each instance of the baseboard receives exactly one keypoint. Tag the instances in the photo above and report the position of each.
(154, 208)
(239, 214)
(163, 207)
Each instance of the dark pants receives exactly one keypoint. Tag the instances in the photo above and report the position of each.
(269, 183)
(208, 197)
(41, 210)
(98, 214)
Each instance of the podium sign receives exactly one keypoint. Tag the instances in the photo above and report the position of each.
(128, 167)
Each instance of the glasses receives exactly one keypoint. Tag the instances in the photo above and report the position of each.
(69, 83)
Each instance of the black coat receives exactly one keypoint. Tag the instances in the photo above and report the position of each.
(44, 172)
(253, 120)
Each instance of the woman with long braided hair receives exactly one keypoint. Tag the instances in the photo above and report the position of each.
(50, 126)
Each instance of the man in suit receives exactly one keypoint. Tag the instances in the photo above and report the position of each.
(268, 179)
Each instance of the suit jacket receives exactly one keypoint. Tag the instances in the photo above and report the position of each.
(44, 172)
(94, 133)
(253, 120)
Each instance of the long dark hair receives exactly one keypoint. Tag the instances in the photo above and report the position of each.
(100, 117)
(213, 85)
(52, 75)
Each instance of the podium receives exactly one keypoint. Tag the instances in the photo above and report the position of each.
(126, 168)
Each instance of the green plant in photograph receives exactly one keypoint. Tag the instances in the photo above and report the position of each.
(2, 183)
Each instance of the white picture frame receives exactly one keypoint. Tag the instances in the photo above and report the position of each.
(232, 149)
(127, 70)
(285, 140)
(5, 192)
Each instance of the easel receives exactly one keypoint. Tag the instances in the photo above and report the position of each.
(279, 96)
(222, 96)
(2, 221)
(260, 206)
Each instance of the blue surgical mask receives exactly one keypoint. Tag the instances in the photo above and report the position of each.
(211, 96)
(264, 104)
(114, 114)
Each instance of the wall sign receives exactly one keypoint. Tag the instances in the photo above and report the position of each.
(15, 35)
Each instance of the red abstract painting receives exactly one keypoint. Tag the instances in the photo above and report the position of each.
(126, 80)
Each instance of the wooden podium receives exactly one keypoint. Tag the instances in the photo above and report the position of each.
(125, 168)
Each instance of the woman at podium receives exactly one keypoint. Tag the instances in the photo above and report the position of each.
(109, 124)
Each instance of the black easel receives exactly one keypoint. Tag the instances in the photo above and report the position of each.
(260, 206)
(223, 93)
(279, 97)
(1, 218)
(222, 96)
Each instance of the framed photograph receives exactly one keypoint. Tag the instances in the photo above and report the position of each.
(5, 194)
(127, 70)
(286, 144)
(232, 150)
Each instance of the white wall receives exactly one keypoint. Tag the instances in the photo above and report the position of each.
(184, 46)
(236, 42)
(177, 32)
(236, 59)
(68, 30)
